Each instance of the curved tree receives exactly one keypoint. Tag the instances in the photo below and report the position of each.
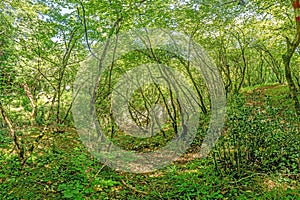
(292, 45)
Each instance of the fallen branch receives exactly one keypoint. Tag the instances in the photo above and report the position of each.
(133, 188)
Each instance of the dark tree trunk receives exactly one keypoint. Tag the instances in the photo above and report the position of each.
(291, 47)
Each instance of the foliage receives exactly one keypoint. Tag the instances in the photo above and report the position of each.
(260, 161)
(254, 44)
(260, 138)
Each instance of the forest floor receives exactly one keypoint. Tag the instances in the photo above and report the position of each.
(257, 157)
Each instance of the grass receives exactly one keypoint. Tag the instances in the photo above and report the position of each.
(256, 158)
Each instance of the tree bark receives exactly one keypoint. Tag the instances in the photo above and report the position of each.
(13, 135)
(286, 57)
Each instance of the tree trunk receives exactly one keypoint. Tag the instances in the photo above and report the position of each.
(288, 75)
(13, 134)
(291, 47)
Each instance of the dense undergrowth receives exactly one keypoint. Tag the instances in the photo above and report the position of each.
(256, 157)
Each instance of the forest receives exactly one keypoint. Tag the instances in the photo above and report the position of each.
(164, 99)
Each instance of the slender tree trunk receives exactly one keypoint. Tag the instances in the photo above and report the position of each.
(243, 70)
(291, 47)
(288, 75)
(32, 102)
(16, 141)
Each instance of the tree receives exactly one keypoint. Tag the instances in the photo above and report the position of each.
(292, 45)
